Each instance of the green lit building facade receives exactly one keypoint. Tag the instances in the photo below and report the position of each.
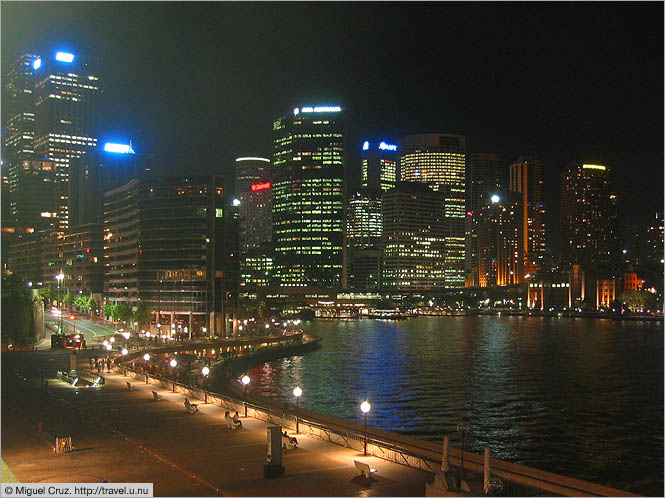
(308, 198)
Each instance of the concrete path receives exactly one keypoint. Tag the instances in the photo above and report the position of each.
(125, 436)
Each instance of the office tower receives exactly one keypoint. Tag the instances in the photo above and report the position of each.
(378, 163)
(363, 236)
(487, 175)
(254, 192)
(413, 238)
(308, 198)
(588, 215)
(526, 177)
(98, 171)
(500, 241)
(633, 245)
(19, 99)
(439, 160)
(172, 242)
(33, 189)
(66, 93)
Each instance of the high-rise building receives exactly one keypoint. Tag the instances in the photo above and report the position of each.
(526, 177)
(254, 193)
(413, 239)
(99, 171)
(364, 227)
(654, 239)
(487, 175)
(308, 198)
(172, 242)
(19, 99)
(378, 166)
(66, 93)
(439, 160)
(500, 241)
(588, 215)
(33, 189)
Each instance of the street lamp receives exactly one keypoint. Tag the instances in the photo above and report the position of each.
(173, 363)
(146, 357)
(245, 381)
(124, 351)
(297, 392)
(205, 370)
(365, 407)
(59, 277)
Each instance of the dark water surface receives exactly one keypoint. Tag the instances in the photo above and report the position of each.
(578, 397)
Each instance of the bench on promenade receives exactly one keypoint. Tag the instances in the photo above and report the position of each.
(156, 396)
(364, 469)
(129, 386)
(191, 407)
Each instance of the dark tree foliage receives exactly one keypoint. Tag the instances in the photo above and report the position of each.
(17, 307)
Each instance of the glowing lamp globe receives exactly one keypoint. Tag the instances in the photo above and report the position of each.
(173, 363)
(124, 351)
(205, 370)
(297, 392)
(245, 379)
(365, 407)
(146, 357)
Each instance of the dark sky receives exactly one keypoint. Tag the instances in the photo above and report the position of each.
(565, 81)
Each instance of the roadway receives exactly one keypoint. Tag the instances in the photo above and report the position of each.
(93, 332)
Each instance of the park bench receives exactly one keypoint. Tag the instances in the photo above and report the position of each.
(129, 386)
(191, 407)
(156, 397)
(364, 469)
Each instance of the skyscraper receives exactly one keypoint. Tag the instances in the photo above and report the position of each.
(527, 179)
(487, 175)
(364, 227)
(33, 189)
(66, 93)
(500, 241)
(308, 198)
(439, 160)
(588, 215)
(378, 165)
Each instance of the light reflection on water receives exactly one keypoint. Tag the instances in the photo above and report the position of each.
(578, 397)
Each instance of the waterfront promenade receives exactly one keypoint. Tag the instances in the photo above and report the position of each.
(123, 436)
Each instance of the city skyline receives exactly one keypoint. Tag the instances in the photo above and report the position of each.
(582, 103)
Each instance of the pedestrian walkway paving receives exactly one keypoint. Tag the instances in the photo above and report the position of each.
(198, 455)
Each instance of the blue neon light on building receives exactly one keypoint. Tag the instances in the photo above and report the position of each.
(64, 57)
(119, 148)
(366, 145)
(385, 146)
(37, 63)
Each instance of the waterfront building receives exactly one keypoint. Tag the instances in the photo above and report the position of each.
(588, 215)
(308, 199)
(172, 242)
(526, 178)
(378, 165)
(631, 282)
(363, 236)
(500, 242)
(549, 291)
(66, 91)
(98, 171)
(254, 193)
(607, 291)
(439, 160)
(487, 175)
(414, 256)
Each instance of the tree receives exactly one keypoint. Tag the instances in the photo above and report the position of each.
(141, 314)
(17, 307)
(68, 298)
(82, 302)
(638, 300)
(110, 310)
(124, 311)
(92, 305)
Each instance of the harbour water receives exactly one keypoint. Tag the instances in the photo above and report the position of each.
(578, 397)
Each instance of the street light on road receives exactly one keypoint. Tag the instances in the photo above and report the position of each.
(365, 407)
(245, 380)
(59, 277)
(297, 392)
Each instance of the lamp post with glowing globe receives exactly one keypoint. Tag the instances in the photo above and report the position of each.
(245, 380)
(297, 392)
(365, 407)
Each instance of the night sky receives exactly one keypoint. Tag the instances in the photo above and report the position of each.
(563, 81)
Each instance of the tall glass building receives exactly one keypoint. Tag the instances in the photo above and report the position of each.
(66, 91)
(308, 198)
(439, 160)
(378, 165)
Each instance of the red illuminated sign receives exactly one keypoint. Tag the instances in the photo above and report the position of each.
(260, 186)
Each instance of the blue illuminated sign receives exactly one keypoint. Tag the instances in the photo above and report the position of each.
(37, 63)
(385, 146)
(64, 57)
(321, 109)
(119, 148)
(366, 145)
